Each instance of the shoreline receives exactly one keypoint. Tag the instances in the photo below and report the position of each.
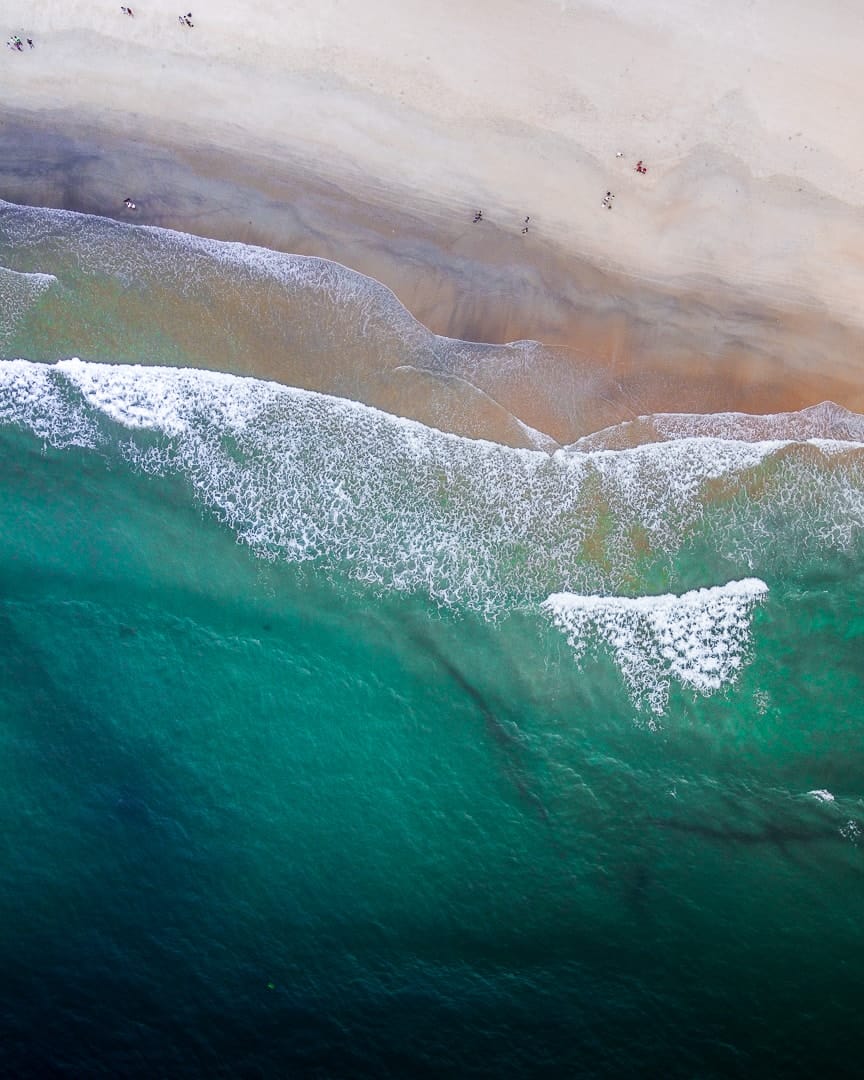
(671, 335)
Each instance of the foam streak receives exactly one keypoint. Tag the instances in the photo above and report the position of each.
(698, 639)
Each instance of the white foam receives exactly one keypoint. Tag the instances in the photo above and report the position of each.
(826, 420)
(822, 794)
(18, 293)
(833, 447)
(823, 422)
(32, 395)
(302, 476)
(698, 639)
(657, 483)
(147, 252)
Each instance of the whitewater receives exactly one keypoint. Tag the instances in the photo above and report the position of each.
(340, 742)
(310, 478)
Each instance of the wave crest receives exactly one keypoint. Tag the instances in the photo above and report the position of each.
(698, 639)
(825, 421)
(309, 478)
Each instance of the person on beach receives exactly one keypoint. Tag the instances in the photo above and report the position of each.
(30, 43)
(478, 216)
(127, 202)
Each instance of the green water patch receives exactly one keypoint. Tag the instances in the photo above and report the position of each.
(247, 796)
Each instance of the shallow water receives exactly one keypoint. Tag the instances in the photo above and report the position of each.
(341, 746)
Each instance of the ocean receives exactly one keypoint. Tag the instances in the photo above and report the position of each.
(337, 744)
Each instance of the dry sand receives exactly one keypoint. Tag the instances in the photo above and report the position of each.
(730, 276)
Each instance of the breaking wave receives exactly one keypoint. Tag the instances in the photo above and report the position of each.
(135, 294)
(698, 639)
(383, 500)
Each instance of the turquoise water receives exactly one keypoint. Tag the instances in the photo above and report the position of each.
(333, 745)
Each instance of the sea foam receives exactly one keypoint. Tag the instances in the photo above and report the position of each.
(305, 477)
(826, 422)
(18, 294)
(698, 639)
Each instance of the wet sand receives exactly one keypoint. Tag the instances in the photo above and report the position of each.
(713, 284)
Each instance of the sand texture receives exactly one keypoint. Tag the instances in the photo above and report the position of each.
(729, 276)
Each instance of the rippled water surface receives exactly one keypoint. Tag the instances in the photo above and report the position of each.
(336, 744)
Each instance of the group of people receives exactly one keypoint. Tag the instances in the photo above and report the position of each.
(17, 44)
(184, 20)
(609, 197)
(478, 216)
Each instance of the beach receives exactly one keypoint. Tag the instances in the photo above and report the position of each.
(431, 539)
(726, 277)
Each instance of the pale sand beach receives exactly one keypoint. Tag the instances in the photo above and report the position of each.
(728, 276)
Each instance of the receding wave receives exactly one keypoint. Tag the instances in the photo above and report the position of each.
(698, 639)
(19, 293)
(124, 293)
(145, 295)
(826, 421)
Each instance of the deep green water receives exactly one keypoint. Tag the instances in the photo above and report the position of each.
(299, 776)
